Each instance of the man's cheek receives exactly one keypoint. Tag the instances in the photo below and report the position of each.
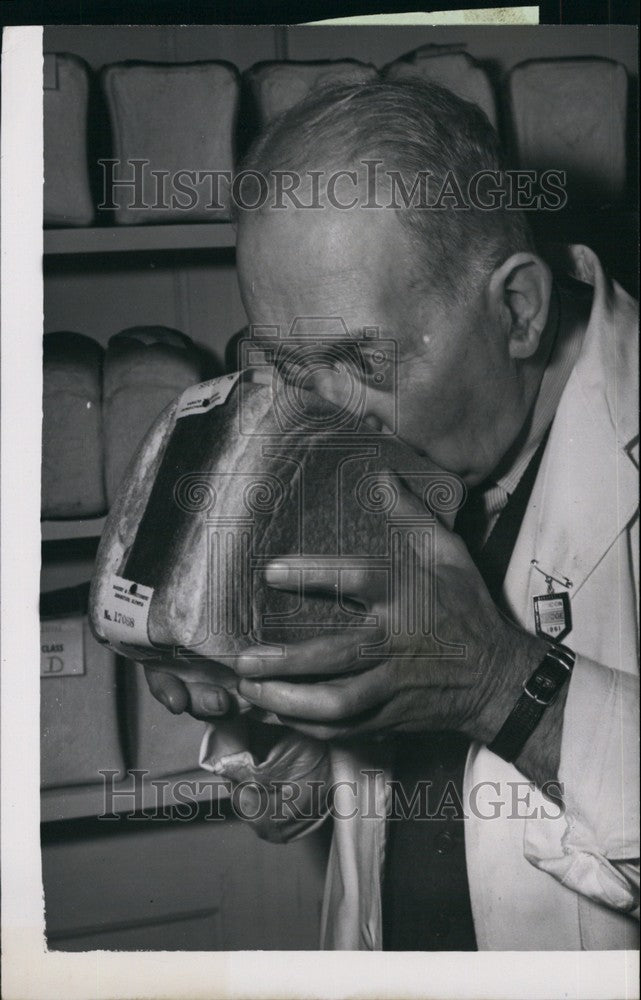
(423, 415)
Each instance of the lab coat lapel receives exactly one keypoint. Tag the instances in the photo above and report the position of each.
(584, 496)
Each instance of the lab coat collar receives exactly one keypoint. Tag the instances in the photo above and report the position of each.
(587, 487)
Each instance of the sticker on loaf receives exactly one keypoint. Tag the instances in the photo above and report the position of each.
(125, 614)
(203, 397)
(225, 482)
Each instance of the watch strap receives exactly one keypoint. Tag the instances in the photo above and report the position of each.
(539, 691)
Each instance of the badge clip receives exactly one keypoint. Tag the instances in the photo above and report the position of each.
(552, 611)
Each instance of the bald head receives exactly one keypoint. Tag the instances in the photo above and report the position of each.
(406, 146)
(460, 295)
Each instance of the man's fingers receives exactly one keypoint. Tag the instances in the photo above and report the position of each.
(322, 702)
(201, 700)
(352, 578)
(206, 701)
(167, 689)
(345, 651)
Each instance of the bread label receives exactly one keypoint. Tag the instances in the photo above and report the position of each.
(124, 617)
(206, 395)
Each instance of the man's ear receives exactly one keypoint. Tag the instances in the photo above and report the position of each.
(521, 288)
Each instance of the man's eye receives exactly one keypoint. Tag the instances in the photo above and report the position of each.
(351, 360)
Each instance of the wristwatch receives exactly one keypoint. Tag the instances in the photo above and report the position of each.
(539, 691)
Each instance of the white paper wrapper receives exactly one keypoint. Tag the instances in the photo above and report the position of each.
(276, 795)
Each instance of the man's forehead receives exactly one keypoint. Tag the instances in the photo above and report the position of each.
(324, 243)
(331, 328)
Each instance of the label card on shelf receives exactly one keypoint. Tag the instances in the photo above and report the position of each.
(61, 647)
(79, 734)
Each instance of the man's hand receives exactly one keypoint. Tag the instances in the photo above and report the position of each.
(187, 693)
(467, 675)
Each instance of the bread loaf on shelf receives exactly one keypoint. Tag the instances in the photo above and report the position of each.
(180, 120)
(72, 446)
(451, 68)
(228, 478)
(277, 86)
(233, 357)
(570, 114)
(67, 193)
(145, 368)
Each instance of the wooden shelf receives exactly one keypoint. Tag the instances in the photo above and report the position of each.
(80, 801)
(87, 527)
(127, 239)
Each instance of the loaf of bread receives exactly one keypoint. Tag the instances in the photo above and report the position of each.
(277, 86)
(67, 193)
(145, 368)
(78, 706)
(233, 350)
(72, 448)
(226, 480)
(451, 68)
(570, 114)
(180, 119)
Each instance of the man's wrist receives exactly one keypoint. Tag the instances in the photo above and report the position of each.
(514, 659)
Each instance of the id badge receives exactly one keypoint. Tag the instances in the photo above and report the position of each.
(553, 615)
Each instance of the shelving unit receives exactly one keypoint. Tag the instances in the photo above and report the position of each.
(125, 239)
(80, 257)
(57, 531)
(122, 240)
(77, 801)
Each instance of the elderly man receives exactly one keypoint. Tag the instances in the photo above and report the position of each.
(521, 381)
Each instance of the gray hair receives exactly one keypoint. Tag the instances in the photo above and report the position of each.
(413, 126)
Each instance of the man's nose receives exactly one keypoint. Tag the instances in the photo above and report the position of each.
(342, 387)
(333, 382)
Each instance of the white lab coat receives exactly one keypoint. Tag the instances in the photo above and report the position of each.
(568, 881)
